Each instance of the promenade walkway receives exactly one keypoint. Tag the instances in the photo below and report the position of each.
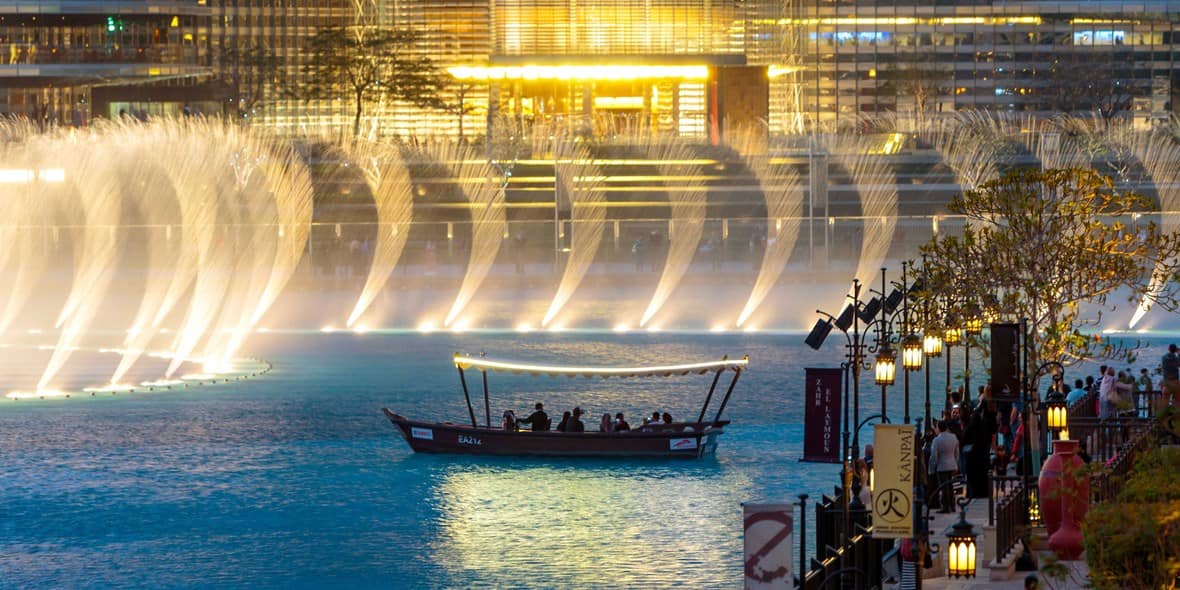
(977, 515)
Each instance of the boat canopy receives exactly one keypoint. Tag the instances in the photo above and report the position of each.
(485, 364)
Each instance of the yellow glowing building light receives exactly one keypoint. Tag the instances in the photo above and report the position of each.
(618, 102)
(775, 71)
(16, 176)
(579, 72)
(895, 21)
(467, 362)
(1102, 21)
(25, 176)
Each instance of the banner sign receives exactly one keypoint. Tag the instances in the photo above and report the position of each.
(769, 540)
(821, 418)
(893, 481)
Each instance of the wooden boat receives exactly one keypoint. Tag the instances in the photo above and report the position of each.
(692, 440)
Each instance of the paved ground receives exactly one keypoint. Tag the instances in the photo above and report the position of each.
(977, 515)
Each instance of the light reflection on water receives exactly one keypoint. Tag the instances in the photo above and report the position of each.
(295, 479)
(584, 523)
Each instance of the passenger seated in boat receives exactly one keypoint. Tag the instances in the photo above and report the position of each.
(509, 420)
(563, 426)
(606, 425)
(652, 420)
(538, 419)
(621, 424)
(667, 418)
(575, 424)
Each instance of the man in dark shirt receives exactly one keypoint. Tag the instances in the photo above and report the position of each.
(538, 419)
(1170, 368)
(575, 423)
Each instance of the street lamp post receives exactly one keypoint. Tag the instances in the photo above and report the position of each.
(973, 326)
(853, 364)
(894, 308)
(950, 338)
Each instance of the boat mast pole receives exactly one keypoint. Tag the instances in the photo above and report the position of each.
(709, 398)
(487, 404)
(736, 373)
(467, 396)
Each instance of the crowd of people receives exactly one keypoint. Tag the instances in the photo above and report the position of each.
(987, 435)
(571, 421)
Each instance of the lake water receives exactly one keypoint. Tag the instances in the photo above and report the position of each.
(294, 479)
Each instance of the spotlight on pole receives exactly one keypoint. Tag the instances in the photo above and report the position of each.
(893, 300)
(821, 330)
(870, 310)
(844, 322)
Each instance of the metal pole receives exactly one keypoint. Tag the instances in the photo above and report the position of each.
(926, 421)
(846, 475)
(467, 396)
(947, 403)
(737, 372)
(709, 397)
(885, 334)
(1026, 461)
(802, 538)
(856, 362)
(919, 503)
(487, 404)
(905, 333)
(966, 368)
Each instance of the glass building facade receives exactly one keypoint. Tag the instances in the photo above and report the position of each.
(62, 63)
(689, 68)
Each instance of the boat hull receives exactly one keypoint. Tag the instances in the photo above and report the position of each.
(690, 441)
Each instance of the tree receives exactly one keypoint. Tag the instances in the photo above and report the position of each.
(461, 89)
(923, 78)
(1083, 83)
(251, 72)
(364, 63)
(1041, 245)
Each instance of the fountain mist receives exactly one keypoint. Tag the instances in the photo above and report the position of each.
(580, 179)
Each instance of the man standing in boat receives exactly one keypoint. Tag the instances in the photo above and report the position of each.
(538, 419)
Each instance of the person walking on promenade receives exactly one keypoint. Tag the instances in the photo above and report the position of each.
(944, 462)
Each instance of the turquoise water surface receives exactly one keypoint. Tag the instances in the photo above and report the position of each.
(295, 479)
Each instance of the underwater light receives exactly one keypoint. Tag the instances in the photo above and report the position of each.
(162, 383)
(109, 388)
(198, 377)
(40, 393)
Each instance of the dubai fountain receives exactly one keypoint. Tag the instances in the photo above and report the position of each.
(173, 241)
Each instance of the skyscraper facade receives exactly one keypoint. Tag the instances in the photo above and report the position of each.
(690, 68)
